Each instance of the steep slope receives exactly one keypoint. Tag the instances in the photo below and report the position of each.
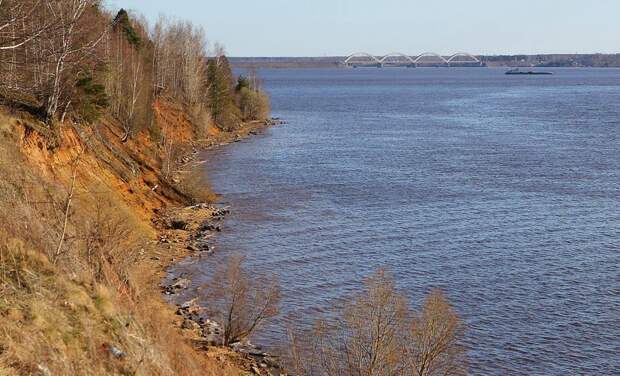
(80, 263)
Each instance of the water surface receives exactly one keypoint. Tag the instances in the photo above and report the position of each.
(502, 191)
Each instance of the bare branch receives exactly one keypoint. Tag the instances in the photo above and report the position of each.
(242, 303)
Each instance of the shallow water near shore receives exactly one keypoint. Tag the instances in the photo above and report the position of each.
(503, 191)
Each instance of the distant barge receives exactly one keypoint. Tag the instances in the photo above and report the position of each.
(520, 72)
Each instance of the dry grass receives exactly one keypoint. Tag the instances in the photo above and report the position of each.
(66, 300)
(196, 186)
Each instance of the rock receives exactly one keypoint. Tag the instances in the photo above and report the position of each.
(255, 352)
(189, 304)
(192, 248)
(212, 339)
(190, 324)
(209, 227)
(178, 224)
(274, 121)
(181, 284)
(115, 351)
(249, 349)
(220, 212)
(44, 370)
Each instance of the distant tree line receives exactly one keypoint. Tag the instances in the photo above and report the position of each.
(555, 60)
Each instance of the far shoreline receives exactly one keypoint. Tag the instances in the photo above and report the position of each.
(594, 60)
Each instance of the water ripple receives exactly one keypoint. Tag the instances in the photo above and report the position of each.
(504, 193)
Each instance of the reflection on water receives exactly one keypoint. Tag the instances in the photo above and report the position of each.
(503, 191)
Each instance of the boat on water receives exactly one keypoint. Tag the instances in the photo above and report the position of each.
(517, 71)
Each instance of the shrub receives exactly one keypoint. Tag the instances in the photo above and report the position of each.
(378, 334)
(254, 105)
(196, 187)
(243, 302)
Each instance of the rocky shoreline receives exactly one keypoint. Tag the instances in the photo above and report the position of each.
(191, 229)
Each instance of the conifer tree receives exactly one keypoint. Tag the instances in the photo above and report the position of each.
(220, 97)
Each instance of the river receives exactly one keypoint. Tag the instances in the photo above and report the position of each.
(504, 191)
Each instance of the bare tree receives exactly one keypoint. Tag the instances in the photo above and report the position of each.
(14, 29)
(434, 349)
(67, 212)
(365, 340)
(69, 45)
(128, 78)
(242, 302)
(378, 334)
(179, 58)
(21, 25)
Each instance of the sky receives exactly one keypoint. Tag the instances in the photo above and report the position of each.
(341, 27)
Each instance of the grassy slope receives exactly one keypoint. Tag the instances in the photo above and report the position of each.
(63, 307)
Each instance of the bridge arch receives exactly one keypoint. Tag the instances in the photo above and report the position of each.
(396, 54)
(360, 54)
(459, 58)
(430, 54)
(463, 54)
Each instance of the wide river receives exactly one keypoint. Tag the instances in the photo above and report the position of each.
(504, 191)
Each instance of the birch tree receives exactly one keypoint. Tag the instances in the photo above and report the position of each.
(15, 30)
(68, 46)
(179, 59)
(129, 76)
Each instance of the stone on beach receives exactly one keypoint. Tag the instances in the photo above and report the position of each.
(181, 284)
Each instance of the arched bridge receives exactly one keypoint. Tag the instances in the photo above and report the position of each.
(400, 59)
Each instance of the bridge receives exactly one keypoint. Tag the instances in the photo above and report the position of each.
(399, 59)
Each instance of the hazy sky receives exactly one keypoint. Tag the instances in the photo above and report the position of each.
(339, 27)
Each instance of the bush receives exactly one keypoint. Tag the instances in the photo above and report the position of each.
(377, 333)
(254, 105)
(242, 301)
(196, 187)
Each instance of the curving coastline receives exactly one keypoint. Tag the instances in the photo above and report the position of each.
(191, 229)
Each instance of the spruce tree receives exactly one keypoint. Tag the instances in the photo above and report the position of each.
(220, 97)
